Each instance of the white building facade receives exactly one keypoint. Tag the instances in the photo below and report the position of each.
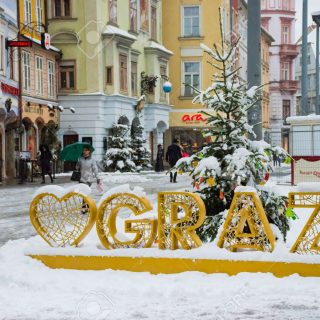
(278, 17)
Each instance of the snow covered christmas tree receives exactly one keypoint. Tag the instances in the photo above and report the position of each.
(231, 159)
(118, 156)
(140, 153)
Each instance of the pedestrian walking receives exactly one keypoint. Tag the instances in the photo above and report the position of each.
(45, 162)
(173, 154)
(159, 162)
(88, 168)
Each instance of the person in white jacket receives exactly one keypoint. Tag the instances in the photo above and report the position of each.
(88, 168)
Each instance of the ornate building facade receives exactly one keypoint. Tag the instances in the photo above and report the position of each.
(278, 18)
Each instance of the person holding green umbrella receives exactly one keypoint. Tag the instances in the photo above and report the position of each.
(88, 167)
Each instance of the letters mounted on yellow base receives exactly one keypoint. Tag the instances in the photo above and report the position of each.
(246, 225)
(145, 229)
(174, 229)
(309, 238)
(63, 221)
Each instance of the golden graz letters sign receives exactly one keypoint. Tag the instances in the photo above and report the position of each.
(67, 220)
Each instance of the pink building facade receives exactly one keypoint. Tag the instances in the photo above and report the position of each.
(278, 17)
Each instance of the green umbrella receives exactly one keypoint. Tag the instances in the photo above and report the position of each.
(73, 151)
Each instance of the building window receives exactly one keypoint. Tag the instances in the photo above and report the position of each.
(26, 70)
(163, 74)
(61, 8)
(191, 78)
(1, 52)
(154, 22)
(27, 13)
(123, 72)
(144, 15)
(272, 3)
(109, 76)
(39, 15)
(51, 79)
(191, 21)
(134, 78)
(285, 4)
(285, 71)
(39, 80)
(133, 15)
(285, 34)
(112, 7)
(285, 109)
(67, 75)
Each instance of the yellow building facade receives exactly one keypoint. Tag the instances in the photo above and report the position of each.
(39, 73)
(187, 24)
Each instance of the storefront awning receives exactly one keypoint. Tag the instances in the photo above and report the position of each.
(193, 118)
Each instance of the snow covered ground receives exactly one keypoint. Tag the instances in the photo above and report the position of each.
(29, 290)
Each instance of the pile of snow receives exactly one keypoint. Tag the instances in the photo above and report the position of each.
(210, 164)
(308, 187)
(60, 191)
(123, 178)
(245, 189)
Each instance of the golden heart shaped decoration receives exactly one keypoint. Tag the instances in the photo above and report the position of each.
(63, 220)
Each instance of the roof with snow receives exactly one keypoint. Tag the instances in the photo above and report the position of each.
(112, 30)
(159, 46)
(304, 119)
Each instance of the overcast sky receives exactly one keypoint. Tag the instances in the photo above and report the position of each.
(313, 5)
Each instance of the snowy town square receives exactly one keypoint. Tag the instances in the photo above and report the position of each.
(159, 159)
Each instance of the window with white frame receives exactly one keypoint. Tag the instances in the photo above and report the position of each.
(134, 78)
(163, 74)
(191, 78)
(39, 15)
(112, 6)
(27, 13)
(133, 15)
(26, 71)
(39, 78)
(1, 52)
(285, 34)
(154, 21)
(61, 8)
(285, 4)
(285, 70)
(191, 21)
(123, 60)
(51, 79)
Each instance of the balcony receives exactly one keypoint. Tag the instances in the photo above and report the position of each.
(290, 50)
(289, 85)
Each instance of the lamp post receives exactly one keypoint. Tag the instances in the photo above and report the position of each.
(254, 67)
(304, 64)
(316, 19)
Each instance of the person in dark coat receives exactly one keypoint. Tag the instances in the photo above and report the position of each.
(45, 162)
(159, 163)
(173, 154)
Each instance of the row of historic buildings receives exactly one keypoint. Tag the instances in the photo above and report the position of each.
(110, 59)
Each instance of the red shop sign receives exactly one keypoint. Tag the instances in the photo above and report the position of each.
(195, 117)
(10, 89)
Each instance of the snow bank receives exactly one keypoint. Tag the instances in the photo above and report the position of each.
(308, 187)
(245, 189)
(60, 191)
(125, 188)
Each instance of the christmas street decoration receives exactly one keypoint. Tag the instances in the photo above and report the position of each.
(145, 229)
(246, 225)
(309, 238)
(63, 221)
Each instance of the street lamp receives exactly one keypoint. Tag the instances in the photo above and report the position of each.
(316, 19)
